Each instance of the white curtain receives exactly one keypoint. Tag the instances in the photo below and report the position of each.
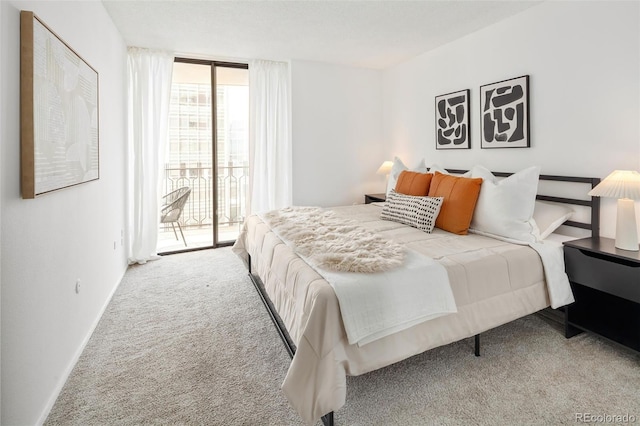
(149, 91)
(269, 136)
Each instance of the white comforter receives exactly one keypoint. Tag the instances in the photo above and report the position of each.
(379, 304)
(493, 283)
(552, 257)
(375, 305)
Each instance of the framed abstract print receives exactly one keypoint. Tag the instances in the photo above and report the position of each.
(504, 114)
(452, 120)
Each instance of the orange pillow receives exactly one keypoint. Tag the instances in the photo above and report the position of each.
(413, 183)
(460, 197)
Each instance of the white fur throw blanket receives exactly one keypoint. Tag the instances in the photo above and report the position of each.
(334, 243)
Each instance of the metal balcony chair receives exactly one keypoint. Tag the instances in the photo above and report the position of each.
(172, 209)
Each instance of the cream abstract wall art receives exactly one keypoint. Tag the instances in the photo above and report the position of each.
(59, 112)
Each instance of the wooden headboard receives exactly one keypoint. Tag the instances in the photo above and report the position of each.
(593, 203)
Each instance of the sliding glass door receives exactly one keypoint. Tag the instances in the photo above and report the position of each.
(232, 150)
(207, 156)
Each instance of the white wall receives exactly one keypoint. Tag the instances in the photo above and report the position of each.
(336, 133)
(49, 242)
(2, 137)
(583, 59)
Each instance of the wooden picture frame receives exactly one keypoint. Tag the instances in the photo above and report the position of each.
(59, 112)
(452, 120)
(504, 114)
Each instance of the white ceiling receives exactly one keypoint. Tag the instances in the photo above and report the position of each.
(373, 34)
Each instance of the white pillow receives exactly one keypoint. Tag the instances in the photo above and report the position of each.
(436, 168)
(398, 167)
(505, 207)
(549, 216)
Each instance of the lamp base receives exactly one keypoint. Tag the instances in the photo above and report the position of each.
(626, 229)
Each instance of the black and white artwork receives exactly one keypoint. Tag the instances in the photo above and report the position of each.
(504, 108)
(452, 120)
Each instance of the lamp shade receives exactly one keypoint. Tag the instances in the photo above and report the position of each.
(385, 168)
(619, 184)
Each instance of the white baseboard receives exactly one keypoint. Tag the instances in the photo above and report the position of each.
(76, 356)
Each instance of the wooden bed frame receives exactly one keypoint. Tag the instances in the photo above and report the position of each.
(593, 225)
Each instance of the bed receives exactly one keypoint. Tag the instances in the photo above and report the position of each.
(493, 282)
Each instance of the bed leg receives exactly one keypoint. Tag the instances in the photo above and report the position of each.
(477, 344)
(249, 262)
(327, 419)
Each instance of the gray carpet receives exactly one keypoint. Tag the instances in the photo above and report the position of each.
(186, 340)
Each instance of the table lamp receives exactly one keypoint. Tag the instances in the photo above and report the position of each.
(385, 169)
(625, 186)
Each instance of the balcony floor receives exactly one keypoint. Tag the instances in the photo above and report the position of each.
(197, 237)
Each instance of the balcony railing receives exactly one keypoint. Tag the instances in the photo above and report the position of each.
(232, 184)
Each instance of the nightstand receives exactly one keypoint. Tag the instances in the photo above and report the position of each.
(374, 198)
(606, 285)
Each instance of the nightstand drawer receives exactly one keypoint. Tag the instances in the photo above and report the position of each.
(620, 278)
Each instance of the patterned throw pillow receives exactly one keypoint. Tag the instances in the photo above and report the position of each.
(419, 212)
